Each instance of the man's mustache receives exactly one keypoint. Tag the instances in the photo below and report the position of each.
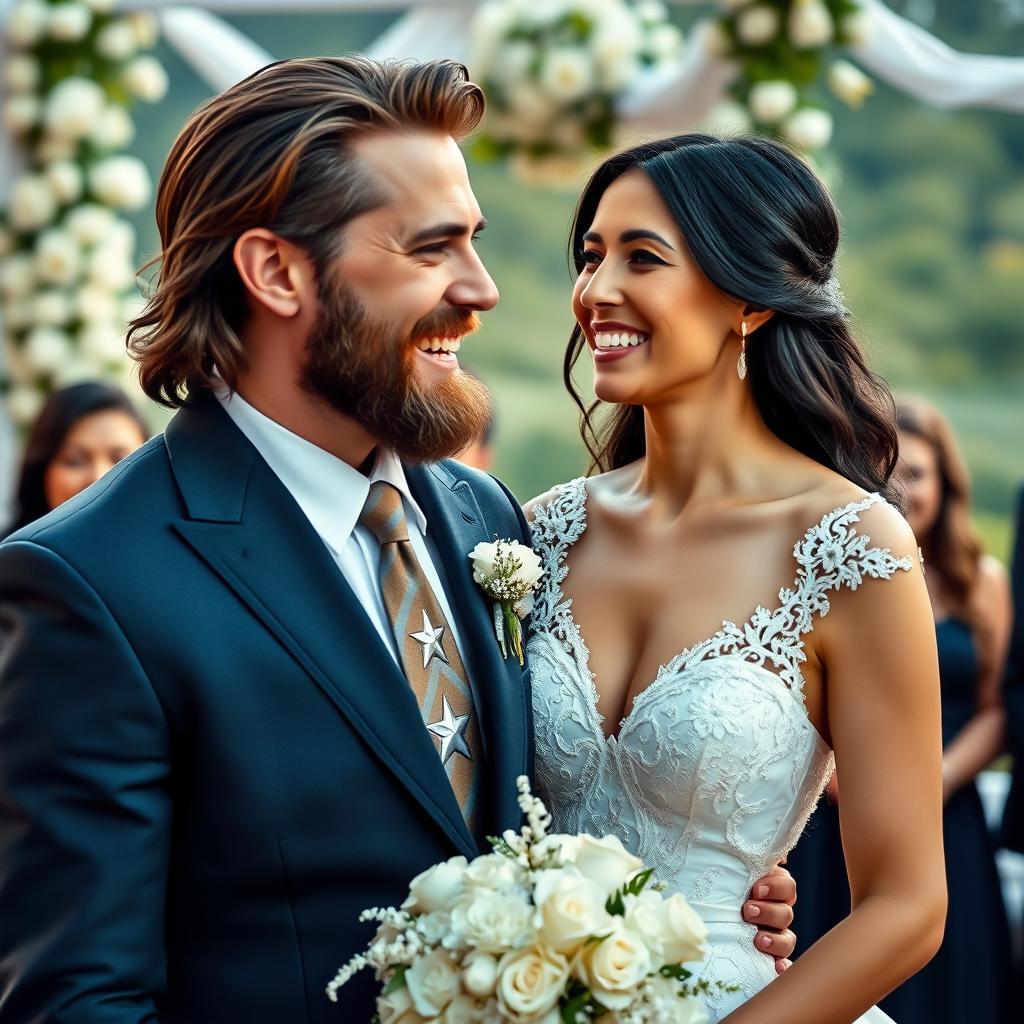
(447, 323)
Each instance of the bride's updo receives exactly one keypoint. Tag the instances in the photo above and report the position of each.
(763, 228)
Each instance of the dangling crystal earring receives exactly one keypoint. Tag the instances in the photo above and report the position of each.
(741, 363)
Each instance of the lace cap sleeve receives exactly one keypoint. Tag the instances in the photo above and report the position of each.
(556, 525)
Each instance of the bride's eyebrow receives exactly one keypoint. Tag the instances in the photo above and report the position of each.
(633, 235)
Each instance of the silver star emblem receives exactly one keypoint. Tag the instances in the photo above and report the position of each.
(430, 638)
(451, 731)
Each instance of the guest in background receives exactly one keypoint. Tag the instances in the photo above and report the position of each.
(968, 979)
(480, 454)
(81, 432)
(1013, 816)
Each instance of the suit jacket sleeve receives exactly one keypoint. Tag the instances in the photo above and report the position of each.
(84, 804)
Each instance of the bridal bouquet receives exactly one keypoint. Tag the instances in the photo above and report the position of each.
(547, 929)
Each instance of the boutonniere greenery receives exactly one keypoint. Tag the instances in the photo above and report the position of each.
(508, 573)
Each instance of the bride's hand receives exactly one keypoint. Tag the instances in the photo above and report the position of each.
(771, 909)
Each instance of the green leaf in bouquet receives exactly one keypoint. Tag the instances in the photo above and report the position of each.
(500, 845)
(576, 1000)
(677, 971)
(396, 981)
(615, 904)
(638, 882)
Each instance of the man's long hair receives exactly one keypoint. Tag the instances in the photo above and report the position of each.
(273, 151)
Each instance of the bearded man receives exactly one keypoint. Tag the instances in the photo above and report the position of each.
(248, 686)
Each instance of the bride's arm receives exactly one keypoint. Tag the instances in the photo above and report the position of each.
(877, 647)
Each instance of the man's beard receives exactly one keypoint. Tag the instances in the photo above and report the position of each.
(361, 369)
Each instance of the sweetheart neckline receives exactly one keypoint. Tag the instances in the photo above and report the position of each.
(663, 671)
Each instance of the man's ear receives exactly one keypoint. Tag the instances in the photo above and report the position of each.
(276, 274)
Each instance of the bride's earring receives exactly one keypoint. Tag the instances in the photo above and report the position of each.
(741, 364)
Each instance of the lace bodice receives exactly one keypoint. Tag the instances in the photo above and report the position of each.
(716, 768)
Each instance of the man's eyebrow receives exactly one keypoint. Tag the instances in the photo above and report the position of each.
(633, 235)
(452, 229)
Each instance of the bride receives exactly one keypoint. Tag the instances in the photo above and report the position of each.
(748, 449)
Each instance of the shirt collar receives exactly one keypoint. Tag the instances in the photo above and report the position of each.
(330, 492)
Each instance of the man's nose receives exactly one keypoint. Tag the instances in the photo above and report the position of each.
(474, 289)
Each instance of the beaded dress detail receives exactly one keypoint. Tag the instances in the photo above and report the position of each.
(715, 770)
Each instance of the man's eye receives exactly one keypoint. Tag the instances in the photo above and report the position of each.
(436, 248)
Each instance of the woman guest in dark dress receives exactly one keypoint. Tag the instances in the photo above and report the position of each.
(82, 431)
(968, 979)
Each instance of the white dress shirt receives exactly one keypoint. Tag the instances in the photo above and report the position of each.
(331, 495)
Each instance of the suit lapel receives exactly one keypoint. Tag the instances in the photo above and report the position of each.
(249, 530)
(456, 526)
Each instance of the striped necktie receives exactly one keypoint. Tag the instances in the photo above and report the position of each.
(430, 658)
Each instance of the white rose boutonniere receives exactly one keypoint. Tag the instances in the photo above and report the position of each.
(508, 573)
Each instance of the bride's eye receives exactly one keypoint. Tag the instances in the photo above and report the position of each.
(643, 256)
(589, 257)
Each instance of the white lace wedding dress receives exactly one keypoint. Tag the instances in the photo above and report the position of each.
(716, 769)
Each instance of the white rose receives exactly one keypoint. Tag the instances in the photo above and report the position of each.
(121, 181)
(69, 22)
(89, 223)
(651, 12)
(530, 982)
(24, 403)
(107, 267)
(479, 974)
(102, 342)
(117, 40)
(146, 78)
(433, 926)
(810, 24)
(147, 28)
(22, 113)
(27, 22)
(512, 63)
(51, 308)
(531, 105)
(667, 1006)
(858, 27)
(58, 258)
(101, 6)
(616, 40)
(462, 1009)
(396, 1008)
(22, 73)
(17, 276)
(683, 933)
(605, 861)
(73, 106)
(644, 915)
(47, 349)
(433, 982)
(566, 74)
(437, 887)
(849, 83)
(612, 969)
(95, 304)
(120, 238)
(728, 118)
(770, 102)
(492, 921)
(570, 909)
(17, 315)
(65, 178)
(492, 871)
(114, 128)
(758, 25)
(33, 204)
(809, 128)
(484, 555)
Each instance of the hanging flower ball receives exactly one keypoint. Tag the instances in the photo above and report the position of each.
(65, 178)
(58, 258)
(22, 112)
(810, 24)
(46, 349)
(17, 277)
(103, 341)
(89, 223)
(33, 204)
(770, 102)
(51, 308)
(117, 40)
(849, 83)
(22, 73)
(24, 403)
(96, 305)
(146, 78)
(73, 106)
(121, 182)
(69, 22)
(809, 128)
(114, 129)
(27, 22)
(758, 25)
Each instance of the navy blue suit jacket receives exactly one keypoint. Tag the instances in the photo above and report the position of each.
(1013, 816)
(209, 762)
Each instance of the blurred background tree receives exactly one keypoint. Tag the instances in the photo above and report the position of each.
(933, 264)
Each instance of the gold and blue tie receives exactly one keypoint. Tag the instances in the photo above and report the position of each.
(430, 658)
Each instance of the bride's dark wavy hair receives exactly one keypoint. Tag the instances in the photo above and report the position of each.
(763, 228)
